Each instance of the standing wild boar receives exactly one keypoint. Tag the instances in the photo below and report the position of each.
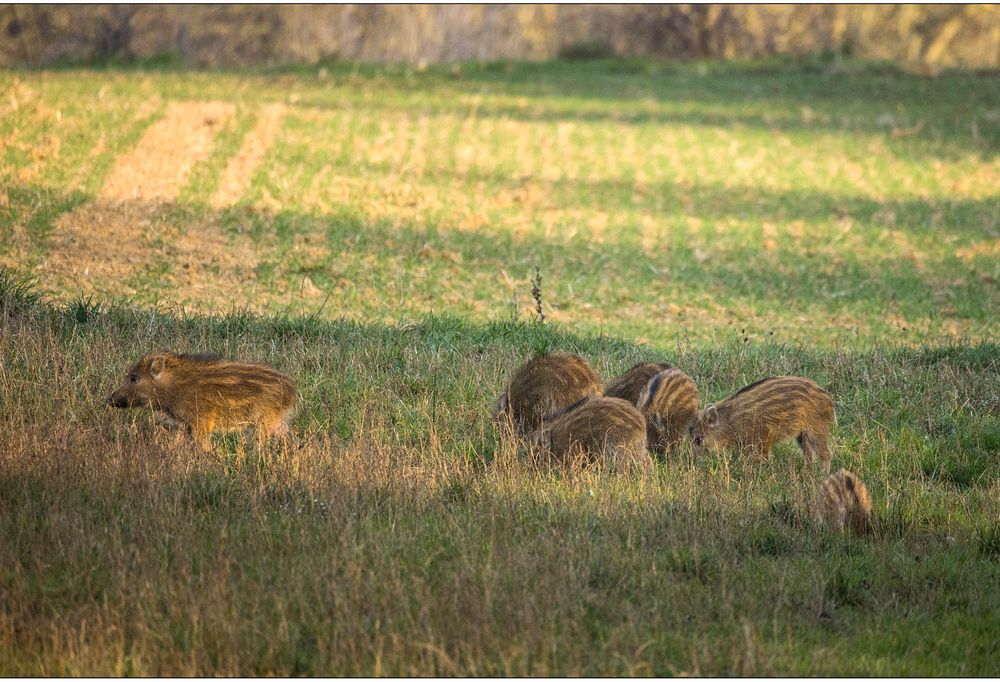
(630, 384)
(610, 431)
(843, 502)
(756, 417)
(669, 402)
(207, 394)
(542, 386)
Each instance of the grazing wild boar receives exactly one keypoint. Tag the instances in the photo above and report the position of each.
(542, 386)
(756, 417)
(207, 394)
(669, 402)
(610, 431)
(843, 502)
(630, 384)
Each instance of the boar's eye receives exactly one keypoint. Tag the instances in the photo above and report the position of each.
(133, 378)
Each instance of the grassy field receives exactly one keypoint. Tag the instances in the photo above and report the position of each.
(373, 232)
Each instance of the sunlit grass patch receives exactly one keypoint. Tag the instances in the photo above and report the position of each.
(662, 202)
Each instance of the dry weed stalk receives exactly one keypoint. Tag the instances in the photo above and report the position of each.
(536, 293)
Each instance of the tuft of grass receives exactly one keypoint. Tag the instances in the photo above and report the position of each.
(850, 583)
(988, 539)
(18, 292)
(83, 309)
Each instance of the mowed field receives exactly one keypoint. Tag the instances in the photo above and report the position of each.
(373, 233)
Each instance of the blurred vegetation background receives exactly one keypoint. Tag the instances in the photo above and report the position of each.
(925, 38)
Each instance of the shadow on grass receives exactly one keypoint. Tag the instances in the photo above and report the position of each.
(790, 275)
(941, 219)
(862, 98)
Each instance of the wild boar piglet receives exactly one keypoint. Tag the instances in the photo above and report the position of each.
(596, 429)
(757, 416)
(544, 385)
(207, 394)
(669, 402)
(844, 502)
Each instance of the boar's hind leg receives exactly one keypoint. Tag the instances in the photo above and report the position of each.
(807, 447)
(277, 428)
(811, 444)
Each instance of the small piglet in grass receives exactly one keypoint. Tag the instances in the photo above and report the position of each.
(542, 386)
(766, 412)
(844, 503)
(670, 402)
(208, 394)
(610, 432)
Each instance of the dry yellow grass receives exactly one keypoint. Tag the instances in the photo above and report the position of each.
(97, 247)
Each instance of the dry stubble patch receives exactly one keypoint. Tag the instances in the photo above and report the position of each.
(42, 158)
(98, 246)
(209, 267)
(239, 171)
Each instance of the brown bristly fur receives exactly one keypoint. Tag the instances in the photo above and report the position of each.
(208, 394)
(610, 431)
(844, 502)
(542, 386)
(669, 401)
(757, 416)
(630, 384)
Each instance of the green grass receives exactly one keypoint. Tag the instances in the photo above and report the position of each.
(825, 207)
(738, 220)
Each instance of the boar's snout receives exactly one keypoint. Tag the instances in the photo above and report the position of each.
(116, 400)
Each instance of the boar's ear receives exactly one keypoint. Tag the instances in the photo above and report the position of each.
(156, 365)
(711, 416)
